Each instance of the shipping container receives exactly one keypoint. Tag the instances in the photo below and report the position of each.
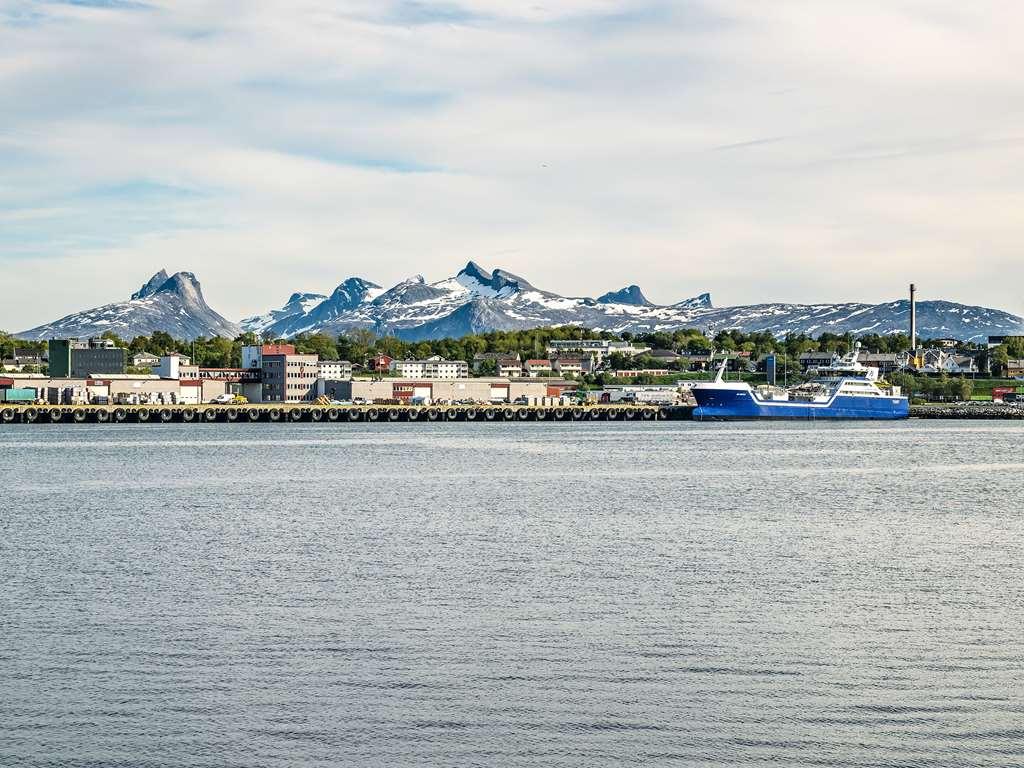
(18, 395)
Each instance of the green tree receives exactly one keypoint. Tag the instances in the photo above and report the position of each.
(998, 358)
(111, 336)
(162, 343)
(356, 345)
(1015, 347)
(965, 388)
(317, 344)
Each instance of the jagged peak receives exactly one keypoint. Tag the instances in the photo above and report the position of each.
(348, 295)
(360, 282)
(152, 285)
(302, 296)
(508, 277)
(183, 284)
(631, 294)
(474, 270)
(703, 301)
(499, 280)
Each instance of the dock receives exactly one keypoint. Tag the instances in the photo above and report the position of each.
(311, 412)
(975, 410)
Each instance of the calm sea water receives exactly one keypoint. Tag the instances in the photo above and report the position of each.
(512, 595)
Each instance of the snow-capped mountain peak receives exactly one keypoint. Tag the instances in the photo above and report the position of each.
(631, 294)
(299, 303)
(697, 302)
(152, 285)
(486, 284)
(173, 304)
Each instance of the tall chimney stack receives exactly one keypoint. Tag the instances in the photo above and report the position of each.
(913, 317)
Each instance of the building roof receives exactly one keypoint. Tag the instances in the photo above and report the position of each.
(124, 376)
(496, 356)
(278, 349)
(539, 363)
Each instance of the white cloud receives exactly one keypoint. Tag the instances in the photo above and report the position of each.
(797, 150)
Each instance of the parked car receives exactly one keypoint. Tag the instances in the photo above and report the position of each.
(229, 399)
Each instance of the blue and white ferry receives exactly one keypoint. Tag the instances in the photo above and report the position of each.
(845, 389)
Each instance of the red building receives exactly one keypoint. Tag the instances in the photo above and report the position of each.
(380, 363)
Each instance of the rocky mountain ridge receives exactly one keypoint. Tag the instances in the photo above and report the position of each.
(476, 300)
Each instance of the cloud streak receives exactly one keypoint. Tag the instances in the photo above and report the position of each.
(802, 150)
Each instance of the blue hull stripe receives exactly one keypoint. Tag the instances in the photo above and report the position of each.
(723, 404)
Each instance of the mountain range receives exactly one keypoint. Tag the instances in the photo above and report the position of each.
(476, 300)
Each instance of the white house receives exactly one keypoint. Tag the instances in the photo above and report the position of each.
(569, 366)
(534, 368)
(145, 360)
(175, 366)
(335, 370)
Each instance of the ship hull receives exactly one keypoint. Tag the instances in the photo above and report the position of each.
(729, 404)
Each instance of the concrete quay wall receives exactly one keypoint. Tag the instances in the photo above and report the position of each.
(309, 412)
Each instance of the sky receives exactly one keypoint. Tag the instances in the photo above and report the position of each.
(798, 150)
